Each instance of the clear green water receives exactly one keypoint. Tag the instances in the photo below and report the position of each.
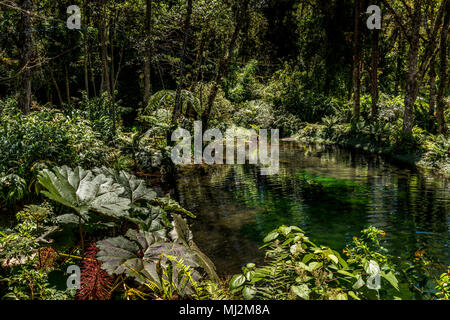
(332, 193)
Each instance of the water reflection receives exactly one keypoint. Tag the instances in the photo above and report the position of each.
(330, 192)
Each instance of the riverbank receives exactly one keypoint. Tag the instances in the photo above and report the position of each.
(423, 152)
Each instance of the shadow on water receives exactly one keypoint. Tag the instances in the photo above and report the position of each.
(330, 192)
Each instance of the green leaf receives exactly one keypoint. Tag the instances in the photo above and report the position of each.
(138, 254)
(359, 283)
(285, 231)
(302, 265)
(249, 293)
(171, 206)
(307, 257)
(301, 291)
(353, 295)
(182, 234)
(314, 265)
(205, 262)
(237, 281)
(346, 273)
(342, 262)
(249, 275)
(68, 219)
(341, 296)
(333, 258)
(134, 188)
(294, 228)
(153, 220)
(83, 191)
(271, 236)
(391, 278)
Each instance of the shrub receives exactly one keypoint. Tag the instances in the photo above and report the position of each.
(255, 113)
(290, 96)
(46, 135)
(101, 112)
(244, 85)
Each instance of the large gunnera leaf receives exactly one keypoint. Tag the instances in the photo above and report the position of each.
(182, 234)
(138, 254)
(134, 188)
(83, 191)
(151, 219)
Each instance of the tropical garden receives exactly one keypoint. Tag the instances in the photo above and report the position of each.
(92, 207)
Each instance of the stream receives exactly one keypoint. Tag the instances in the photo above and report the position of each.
(351, 190)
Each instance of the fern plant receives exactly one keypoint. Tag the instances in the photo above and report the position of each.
(175, 280)
(166, 99)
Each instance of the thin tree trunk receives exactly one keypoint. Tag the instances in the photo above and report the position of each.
(199, 58)
(399, 67)
(443, 75)
(357, 63)
(412, 86)
(86, 53)
(86, 70)
(94, 86)
(55, 83)
(148, 52)
(374, 73)
(66, 69)
(112, 101)
(105, 68)
(432, 84)
(187, 28)
(105, 87)
(24, 89)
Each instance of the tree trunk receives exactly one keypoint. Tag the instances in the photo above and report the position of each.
(357, 63)
(66, 69)
(85, 62)
(412, 85)
(187, 27)
(24, 89)
(86, 53)
(58, 91)
(399, 77)
(225, 61)
(432, 102)
(94, 86)
(415, 74)
(105, 68)
(148, 52)
(374, 73)
(105, 87)
(443, 75)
